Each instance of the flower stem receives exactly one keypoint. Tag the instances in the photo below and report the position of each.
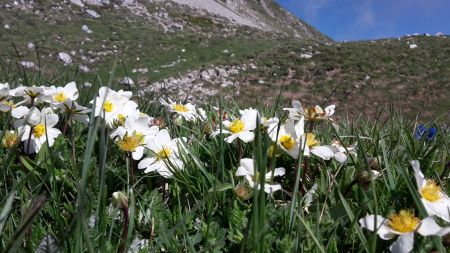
(124, 235)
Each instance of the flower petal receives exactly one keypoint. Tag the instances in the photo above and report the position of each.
(420, 178)
(404, 243)
(429, 227)
(323, 152)
(382, 230)
(247, 136)
(278, 172)
(247, 164)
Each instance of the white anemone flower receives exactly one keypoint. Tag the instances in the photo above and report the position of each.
(310, 113)
(31, 94)
(77, 112)
(187, 111)
(135, 133)
(5, 95)
(61, 94)
(37, 132)
(111, 104)
(240, 128)
(163, 156)
(248, 170)
(341, 153)
(288, 136)
(25, 115)
(436, 202)
(404, 224)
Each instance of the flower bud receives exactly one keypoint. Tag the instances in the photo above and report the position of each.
(10, 139)
(243, 192)
(120, 200)
(364, 177)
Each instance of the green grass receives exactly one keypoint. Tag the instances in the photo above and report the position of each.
(203, 208)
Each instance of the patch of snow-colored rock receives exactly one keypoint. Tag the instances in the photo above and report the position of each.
(412, 46)
(86, 29)
(197, 84)
(65, 57)
(28, 64)
(77, 2)
(306, 55)
(127, 81)
(223, 10)
(93, 13)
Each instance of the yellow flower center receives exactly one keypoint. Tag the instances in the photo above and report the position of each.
(10, 139)
(164, 153)
(180, 108)
(121, 119)
(403, 222)
(287, 141)
(108, 106)
(39, 130)
(129, 143)
(431, 191)
(237, 126)
(60, 97)
(311, 140)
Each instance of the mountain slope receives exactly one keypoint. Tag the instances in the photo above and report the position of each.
(198, 49)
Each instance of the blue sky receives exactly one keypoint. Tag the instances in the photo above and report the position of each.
(372, 19)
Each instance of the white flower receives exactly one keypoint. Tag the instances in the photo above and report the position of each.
(163, 156)
(77, 112)
(25, 115)
(240, 128)
(403, 224)
(110, 105)
(288, 136)
(133, 136)
(248, 170)
(340, 152)
(310, 113)
(187, 111)
(61, 94)
(5, 104)
(312, 146)
(436, 202)
(31, 94)
(39, 128)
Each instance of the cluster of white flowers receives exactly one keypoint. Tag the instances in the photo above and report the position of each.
(35, 112)
(405, 224)
(290, 136)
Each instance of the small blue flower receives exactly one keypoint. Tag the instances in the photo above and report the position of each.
(422, 131)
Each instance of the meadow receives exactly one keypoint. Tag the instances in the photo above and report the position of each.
(99, 169)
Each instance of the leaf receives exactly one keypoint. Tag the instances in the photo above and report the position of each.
(6, 210)
(221, 188)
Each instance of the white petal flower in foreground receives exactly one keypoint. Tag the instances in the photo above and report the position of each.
(310, 113)
(62, 94)
(313, 146)
(288, 136)
(163, 156)
(36, 134)
(436, 202)
(187, 111)
(240, 128)
(111, 104)
(134, 135)
(248, 170)
(403, 224)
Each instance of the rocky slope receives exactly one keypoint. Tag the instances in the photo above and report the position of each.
(198, 49)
